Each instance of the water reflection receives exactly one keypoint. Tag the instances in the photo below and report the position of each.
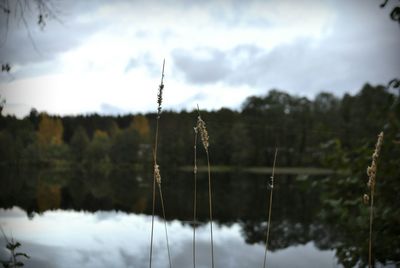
(117, 239)
(237, 196)
(77, 217)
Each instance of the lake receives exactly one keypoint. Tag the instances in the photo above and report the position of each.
(102, 218)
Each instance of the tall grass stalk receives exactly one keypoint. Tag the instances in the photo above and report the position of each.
(157, 176)
(201, 127)
(195, 196)
(271, 185)
(371, 172)
(158, 179)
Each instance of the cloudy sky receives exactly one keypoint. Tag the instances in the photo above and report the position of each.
(106, 56)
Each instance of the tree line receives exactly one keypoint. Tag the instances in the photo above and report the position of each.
(303, 129)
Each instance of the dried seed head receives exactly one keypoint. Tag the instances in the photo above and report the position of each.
(157, 173)
(371, 170)
(160, 90)
(366, 199)
(201, 127)
(159, 99)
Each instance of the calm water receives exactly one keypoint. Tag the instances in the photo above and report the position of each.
(103, 219)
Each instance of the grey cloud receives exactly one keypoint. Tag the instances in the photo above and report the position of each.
(105, 215)
(192, 101)
(22, 45)
(238, 254)
(109, 109)
(202, 70)
(197, 97)
(132, 64)
(15, 212)
(143, 60)
(130, 260)
(360, 46)
(302, 67)
(127, 258)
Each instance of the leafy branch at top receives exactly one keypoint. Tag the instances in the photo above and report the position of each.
(395, 13)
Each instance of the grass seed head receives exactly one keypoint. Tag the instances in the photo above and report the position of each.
(371, 170)
(159, 99)
(160, 91)
(201, 127)
(157, 173)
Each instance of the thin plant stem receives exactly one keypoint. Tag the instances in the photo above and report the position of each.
(165, 224)
(210, 207)
(154, 197)
(371, 172)
(158, 180)
(159, 101)
(270, 209)
(195, 199)
(371, 215)
(201, 127)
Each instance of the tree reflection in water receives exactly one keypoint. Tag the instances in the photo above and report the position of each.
(300, 216)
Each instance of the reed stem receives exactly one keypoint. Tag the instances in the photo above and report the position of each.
(195, 198)
(165, 225)
(210, 207)
(154, 196)
(201, 127)
(270, 208)
(159, 102)
(371, 172)
(370, 229)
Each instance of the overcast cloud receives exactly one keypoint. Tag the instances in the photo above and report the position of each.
(106, 56)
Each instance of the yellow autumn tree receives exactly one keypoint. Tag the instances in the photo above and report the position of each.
(141, 125)
(50, 130)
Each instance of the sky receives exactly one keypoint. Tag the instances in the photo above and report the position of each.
(106, 56)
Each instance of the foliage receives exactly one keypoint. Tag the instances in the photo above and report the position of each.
(348, 217)
(15, 257)
(125, 147)
(97, 156)
(50, 130)
(395, 13)
(79, 142)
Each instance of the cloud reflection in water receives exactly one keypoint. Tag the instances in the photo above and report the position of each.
(116, 239)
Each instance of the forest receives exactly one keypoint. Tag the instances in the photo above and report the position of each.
(304, 130)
